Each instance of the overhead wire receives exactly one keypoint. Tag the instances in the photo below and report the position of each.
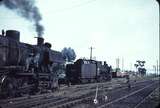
(74, 6)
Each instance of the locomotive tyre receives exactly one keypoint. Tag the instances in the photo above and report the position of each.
(9, 87)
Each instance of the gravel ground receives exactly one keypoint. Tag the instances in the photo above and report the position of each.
(152, 101)
(78, 90)
(83, 89)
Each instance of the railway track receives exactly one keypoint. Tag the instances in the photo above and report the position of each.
(51, 101)
(131, 100)
(113, 96)
(32, 98)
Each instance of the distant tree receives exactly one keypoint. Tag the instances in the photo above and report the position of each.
(118, 69)
(141, 63)
(64, 53)
(136, 65)
(68, 54)
(140, 67)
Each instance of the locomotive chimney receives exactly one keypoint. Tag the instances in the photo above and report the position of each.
(3, 32)
(40, 41)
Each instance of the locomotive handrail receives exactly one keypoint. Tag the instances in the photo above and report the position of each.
(11, 67)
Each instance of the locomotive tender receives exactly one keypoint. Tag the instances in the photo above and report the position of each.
(85, 71)
(26, 68)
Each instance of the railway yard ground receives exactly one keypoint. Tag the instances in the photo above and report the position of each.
(144, 93)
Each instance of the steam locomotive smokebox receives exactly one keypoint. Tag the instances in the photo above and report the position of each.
(13, 34)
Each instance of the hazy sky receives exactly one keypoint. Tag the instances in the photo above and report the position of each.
(126, 29)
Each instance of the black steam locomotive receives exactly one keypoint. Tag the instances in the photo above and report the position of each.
(88, 71)
(26, 68)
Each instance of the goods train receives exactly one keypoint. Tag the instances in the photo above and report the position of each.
(85, 71)
(26, 68)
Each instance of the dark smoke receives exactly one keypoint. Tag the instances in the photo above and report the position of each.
(28, 10)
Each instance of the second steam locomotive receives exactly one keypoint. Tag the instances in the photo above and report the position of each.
(86, 71)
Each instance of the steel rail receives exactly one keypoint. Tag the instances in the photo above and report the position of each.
(126, 96)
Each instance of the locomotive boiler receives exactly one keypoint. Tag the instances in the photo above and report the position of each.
(26, 68)
(87, 71)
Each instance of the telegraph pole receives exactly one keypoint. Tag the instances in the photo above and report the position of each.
(131, 66)
(122, 64)
(117, 63)
(157, 68)
(91, 48)
(154, 68)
